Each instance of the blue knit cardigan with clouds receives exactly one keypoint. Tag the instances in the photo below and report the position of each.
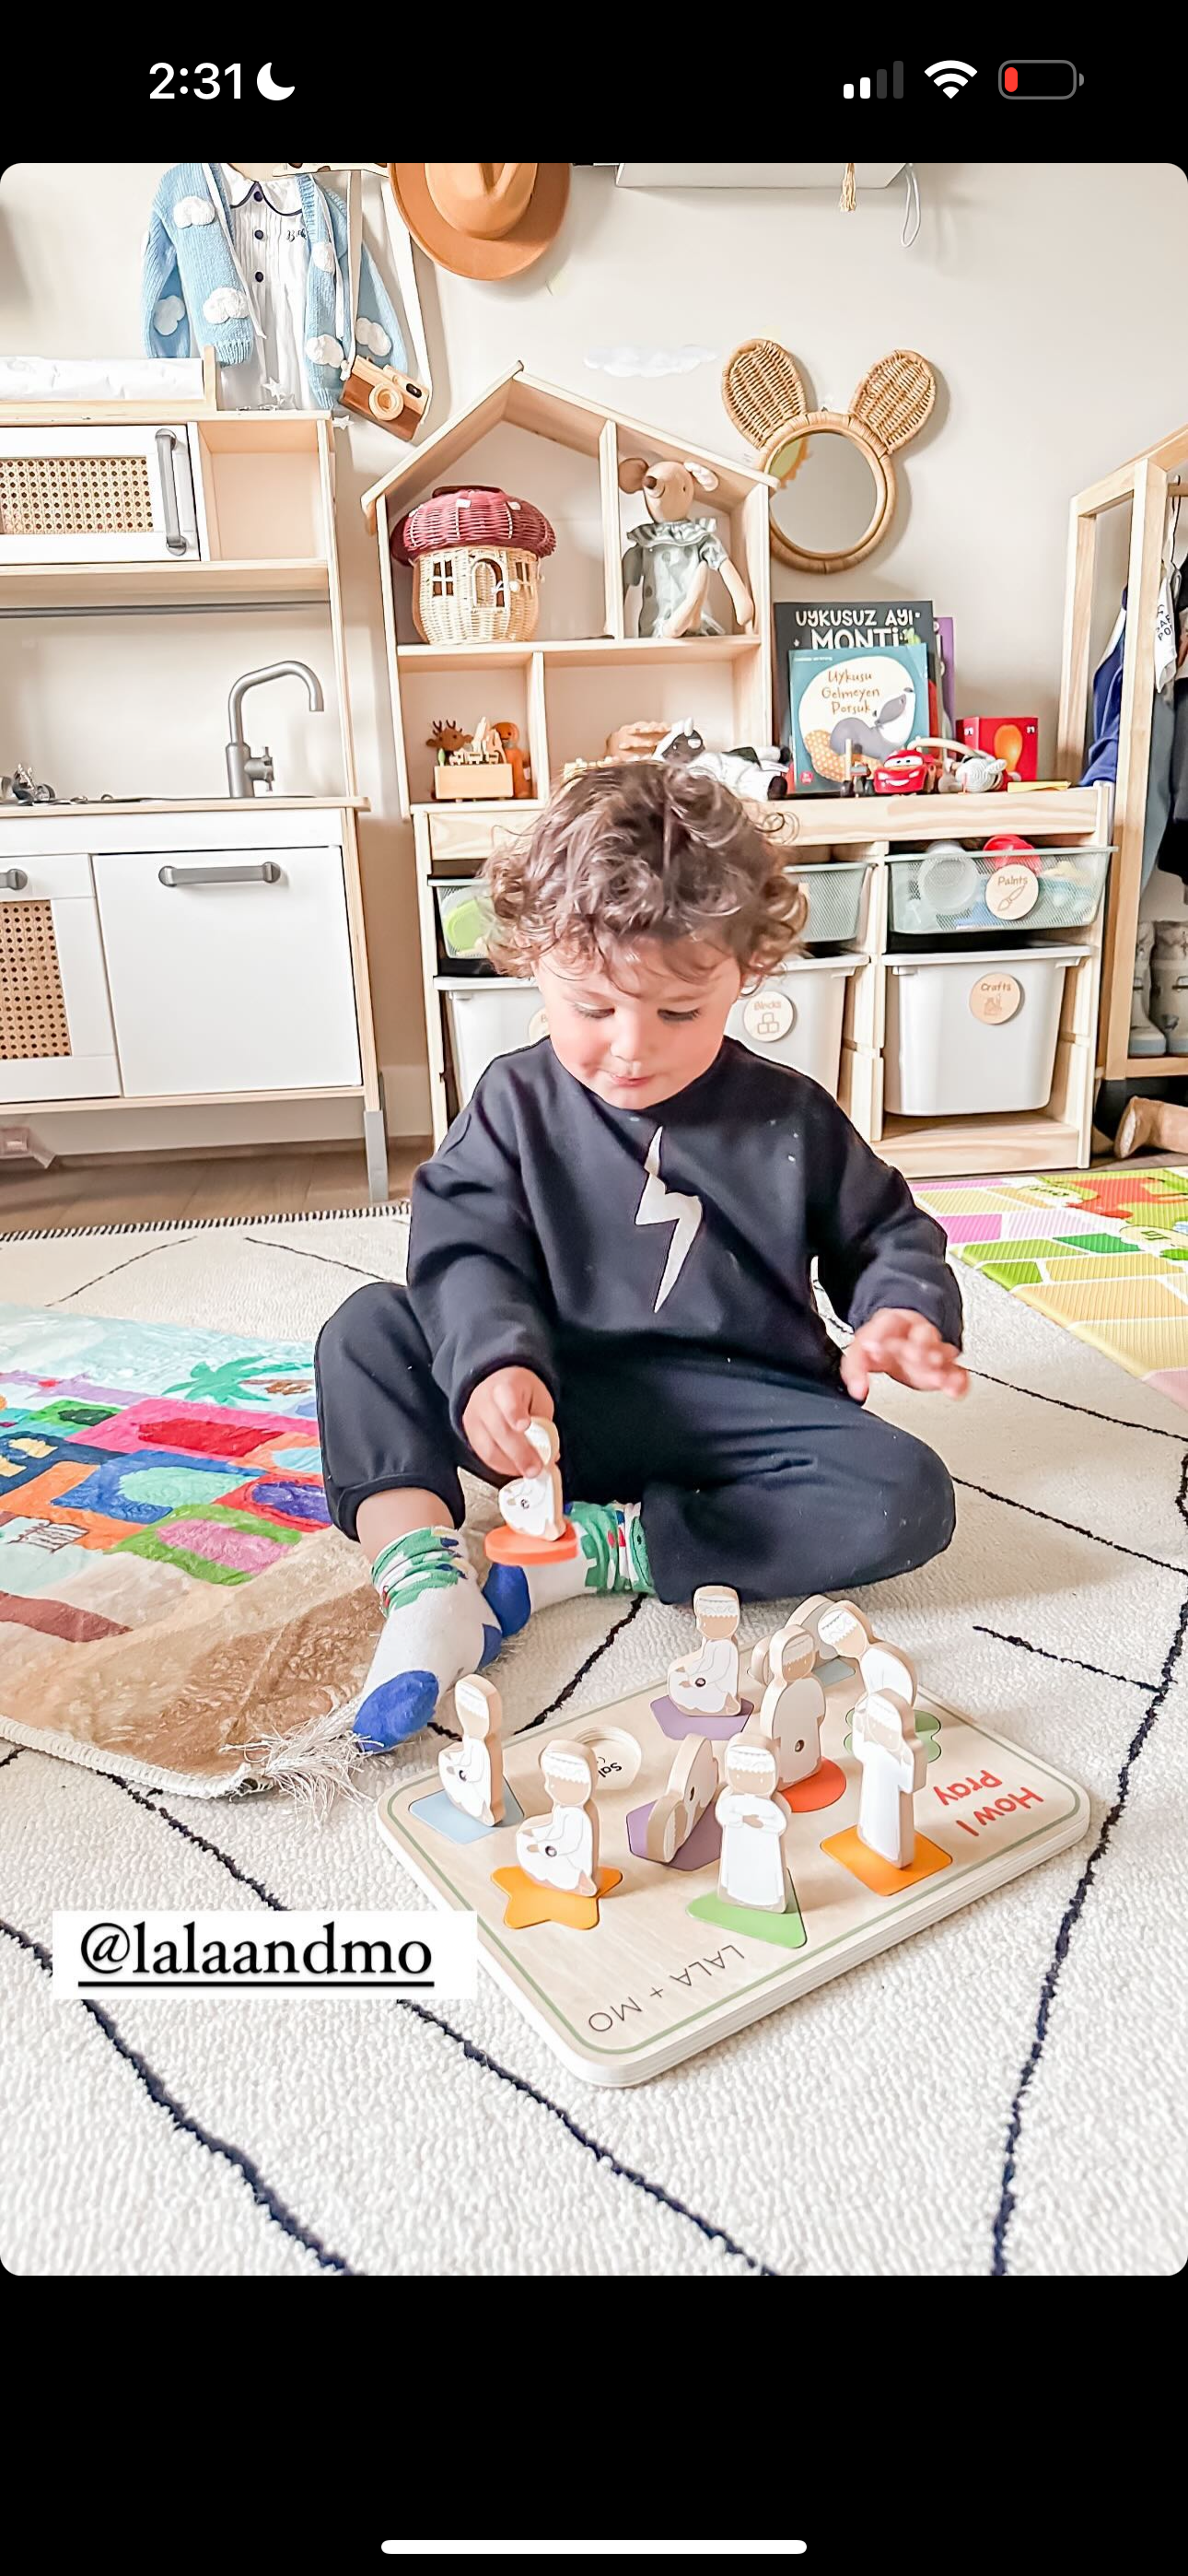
(193, 291)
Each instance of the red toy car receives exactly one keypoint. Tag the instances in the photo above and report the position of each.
(907, 773)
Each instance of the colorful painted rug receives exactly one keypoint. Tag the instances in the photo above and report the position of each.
(1104, 1253)
(174, 1604)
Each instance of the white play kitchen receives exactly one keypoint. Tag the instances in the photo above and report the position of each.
(206, 950)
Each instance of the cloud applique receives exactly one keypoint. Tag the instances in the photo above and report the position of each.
(371, 335)
(167, 314)
(322, 256)
(193, 210)
(626, 360)
(227, 304)
(324, 351)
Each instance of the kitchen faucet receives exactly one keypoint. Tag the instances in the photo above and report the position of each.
(245, 766)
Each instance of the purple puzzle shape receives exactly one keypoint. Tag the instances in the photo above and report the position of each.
(702, 1850)
(678, 1723)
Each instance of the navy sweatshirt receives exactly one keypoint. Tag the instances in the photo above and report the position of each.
(550, 1228)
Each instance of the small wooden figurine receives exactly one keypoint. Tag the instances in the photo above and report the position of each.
(534, 1504)
(516, 758)
(561, 1849)
(639, 741)
(474, 765)
(893, 1759)
(472, 1771)
(692, 1787)
(706, 1683)
(792, 1710)
(767, 1655)
(671, 556)
(752, 1870)
(887, 1668)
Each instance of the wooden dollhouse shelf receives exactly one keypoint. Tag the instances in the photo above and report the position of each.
(613, 650)
(219, 584)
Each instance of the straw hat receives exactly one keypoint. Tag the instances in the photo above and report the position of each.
(484, 219)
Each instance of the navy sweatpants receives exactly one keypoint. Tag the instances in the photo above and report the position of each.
(746, 1477)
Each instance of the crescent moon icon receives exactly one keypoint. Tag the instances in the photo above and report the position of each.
(270, 88)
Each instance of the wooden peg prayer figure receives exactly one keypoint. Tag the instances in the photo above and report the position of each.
(706, 1684)
(692, 1788)
(472, 1771)
(893, 1759)
(792, 1710)
(752, 1870)
(842, 1630)
(887, 1668)
(793, 1643)
(535, 1504)
(561, 1849)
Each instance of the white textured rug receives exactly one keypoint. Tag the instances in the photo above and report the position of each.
(1005, 2093)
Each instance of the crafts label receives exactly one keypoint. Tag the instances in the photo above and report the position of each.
(995, 999)
(1012, 892)
(767, 1017)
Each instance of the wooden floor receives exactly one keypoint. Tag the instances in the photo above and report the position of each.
(140, 1192)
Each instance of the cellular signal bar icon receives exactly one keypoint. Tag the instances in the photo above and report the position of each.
(875, 84)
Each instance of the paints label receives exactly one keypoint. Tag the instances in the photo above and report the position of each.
(1012, 892)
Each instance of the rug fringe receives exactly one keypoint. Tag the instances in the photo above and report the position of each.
(313, 1765)
(399, 1208)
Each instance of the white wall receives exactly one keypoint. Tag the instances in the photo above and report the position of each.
(1048, 299)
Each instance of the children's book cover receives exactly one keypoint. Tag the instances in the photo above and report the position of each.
(877, 702)
(848, 626)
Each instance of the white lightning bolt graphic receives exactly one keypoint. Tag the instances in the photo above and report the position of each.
(659, 1206)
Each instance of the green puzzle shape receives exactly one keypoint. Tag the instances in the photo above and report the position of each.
(785, 1930)
(1014, 1274)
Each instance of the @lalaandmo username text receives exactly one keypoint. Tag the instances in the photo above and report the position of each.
(123, 1951)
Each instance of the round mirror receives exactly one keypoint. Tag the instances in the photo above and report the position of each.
(833, 498)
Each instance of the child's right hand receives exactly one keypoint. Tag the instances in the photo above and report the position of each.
(495, 1422)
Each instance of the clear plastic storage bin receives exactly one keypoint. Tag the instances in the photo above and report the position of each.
(834, 892)
(487, 1020)
(943, 890)
(967, 1034)
(796, 1016)
(464, 918)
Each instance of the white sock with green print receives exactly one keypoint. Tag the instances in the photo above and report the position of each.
(437, 1626)
(612, 1556)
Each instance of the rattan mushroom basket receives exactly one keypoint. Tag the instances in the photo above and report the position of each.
(475, 554)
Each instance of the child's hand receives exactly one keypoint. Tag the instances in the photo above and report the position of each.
(495, 1422)
(897, 1343)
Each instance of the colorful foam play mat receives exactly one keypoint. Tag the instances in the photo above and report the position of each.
(1104, 1253)
(174, 1604)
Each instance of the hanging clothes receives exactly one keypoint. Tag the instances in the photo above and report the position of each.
(274, 309)
(1107, 708)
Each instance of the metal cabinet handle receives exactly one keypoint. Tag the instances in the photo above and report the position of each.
(14, 880)
(166, 443)
(265, 872)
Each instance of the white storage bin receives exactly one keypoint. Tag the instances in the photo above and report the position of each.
(490, 1019)
(796, 1016)
(966, 1034)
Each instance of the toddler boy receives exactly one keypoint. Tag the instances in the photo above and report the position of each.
(619, 1230)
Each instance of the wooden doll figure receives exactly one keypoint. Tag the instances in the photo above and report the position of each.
(472, 1771)
(692, 1787)
(790, 1716)
(561, 1849)
(533, 1503)
(893, 1759)
(706, 1684)
(751, 1870)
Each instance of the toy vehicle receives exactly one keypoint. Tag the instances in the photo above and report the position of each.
(907, 773)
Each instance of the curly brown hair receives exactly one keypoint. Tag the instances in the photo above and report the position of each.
(643, 850)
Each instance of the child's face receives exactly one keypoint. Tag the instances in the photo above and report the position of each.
(651, 1030)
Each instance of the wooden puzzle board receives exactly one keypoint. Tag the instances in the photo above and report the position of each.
(653, 1983)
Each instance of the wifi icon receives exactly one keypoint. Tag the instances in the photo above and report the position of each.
(950, 77)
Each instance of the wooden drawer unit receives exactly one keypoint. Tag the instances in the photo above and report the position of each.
(56, 1039)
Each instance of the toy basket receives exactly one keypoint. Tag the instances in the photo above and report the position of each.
(833, 891)
(943, 893)
(475, 557)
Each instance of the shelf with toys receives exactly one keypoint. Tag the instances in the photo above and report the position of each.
(913, 956)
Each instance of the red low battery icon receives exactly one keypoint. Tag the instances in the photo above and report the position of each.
(1039, 80)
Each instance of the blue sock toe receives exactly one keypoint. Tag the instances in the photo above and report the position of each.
(506, 1590)
(492, 1641)
(397, 1709)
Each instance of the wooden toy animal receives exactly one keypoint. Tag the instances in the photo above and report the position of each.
(671, 556)
(561, 1849)
(472, 1771)
(692, 1787)
(894, 1759)
(705, 1684)
(534, 1503)
(752, 1870)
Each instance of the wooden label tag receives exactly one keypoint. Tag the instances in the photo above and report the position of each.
(768, 1016)
(1012, 892)
(995, 998)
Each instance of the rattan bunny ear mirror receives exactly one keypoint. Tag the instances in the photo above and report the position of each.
(834, 469)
